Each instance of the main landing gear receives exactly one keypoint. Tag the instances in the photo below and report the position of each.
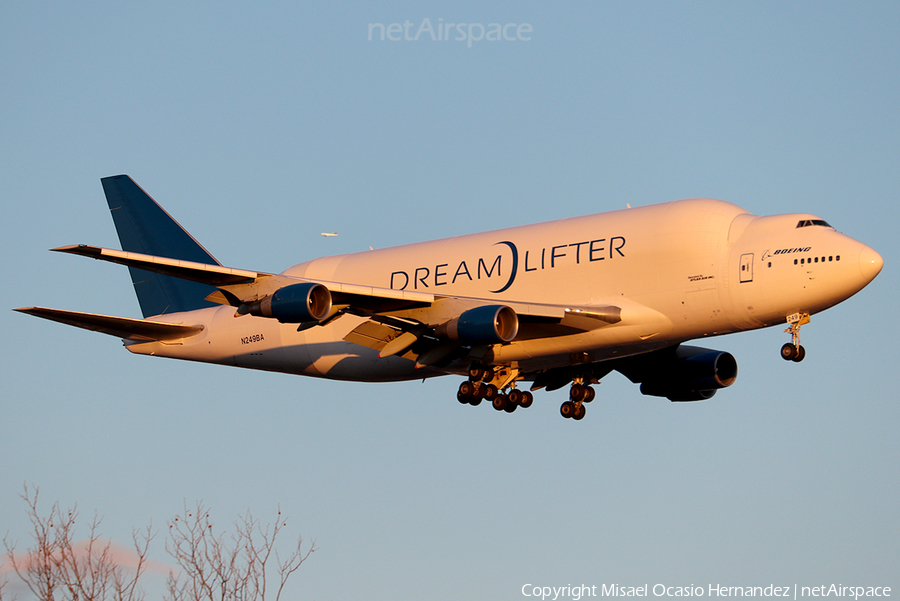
(579, 394)
(480, 387)
(497, 385)
(794, 351)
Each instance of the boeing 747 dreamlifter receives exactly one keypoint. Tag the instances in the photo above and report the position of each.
(559, 303)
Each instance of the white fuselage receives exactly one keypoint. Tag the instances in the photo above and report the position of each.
(678, 271)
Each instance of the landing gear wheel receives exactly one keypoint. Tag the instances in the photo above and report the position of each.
(500, 402)
(510, 406)
(490, 392)
(577, 393)
(567, 410)
(480, 373)
(527, 399)
(589, 394)
(789, 351)
(800, 355)
(580, 410)
(467, 392)
(515, 396)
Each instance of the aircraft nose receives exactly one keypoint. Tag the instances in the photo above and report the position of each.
(870, 263)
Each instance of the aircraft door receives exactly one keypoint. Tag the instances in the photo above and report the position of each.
(747, 268)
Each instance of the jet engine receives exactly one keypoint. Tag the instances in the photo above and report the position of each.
(489, 324)
(686, 373)
(297, 303)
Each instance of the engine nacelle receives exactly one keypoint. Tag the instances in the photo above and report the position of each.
(693, 374)
(490, 324)
(297, 303)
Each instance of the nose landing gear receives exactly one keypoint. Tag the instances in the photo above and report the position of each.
(793, 351)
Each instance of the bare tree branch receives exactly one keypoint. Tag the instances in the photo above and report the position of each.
(210, 567)
(57, 566)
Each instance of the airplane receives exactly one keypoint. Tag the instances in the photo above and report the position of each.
(555, 304)
(329, 234)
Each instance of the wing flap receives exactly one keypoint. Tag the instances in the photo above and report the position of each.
(372, 335)
(121, 327)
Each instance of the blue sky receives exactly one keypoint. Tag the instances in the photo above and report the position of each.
(258, 127)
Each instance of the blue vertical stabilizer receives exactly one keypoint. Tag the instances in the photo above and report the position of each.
(145, 227)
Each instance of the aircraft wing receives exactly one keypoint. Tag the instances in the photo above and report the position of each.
(405, 333)
(120, 327)
(240, 286)
(399, 318)
(215, 275)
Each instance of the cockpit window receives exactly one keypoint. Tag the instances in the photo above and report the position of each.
(810, 222)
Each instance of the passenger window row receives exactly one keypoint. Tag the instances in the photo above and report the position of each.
(816, 260)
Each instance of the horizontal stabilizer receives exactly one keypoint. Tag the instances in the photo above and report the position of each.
(120, 327)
